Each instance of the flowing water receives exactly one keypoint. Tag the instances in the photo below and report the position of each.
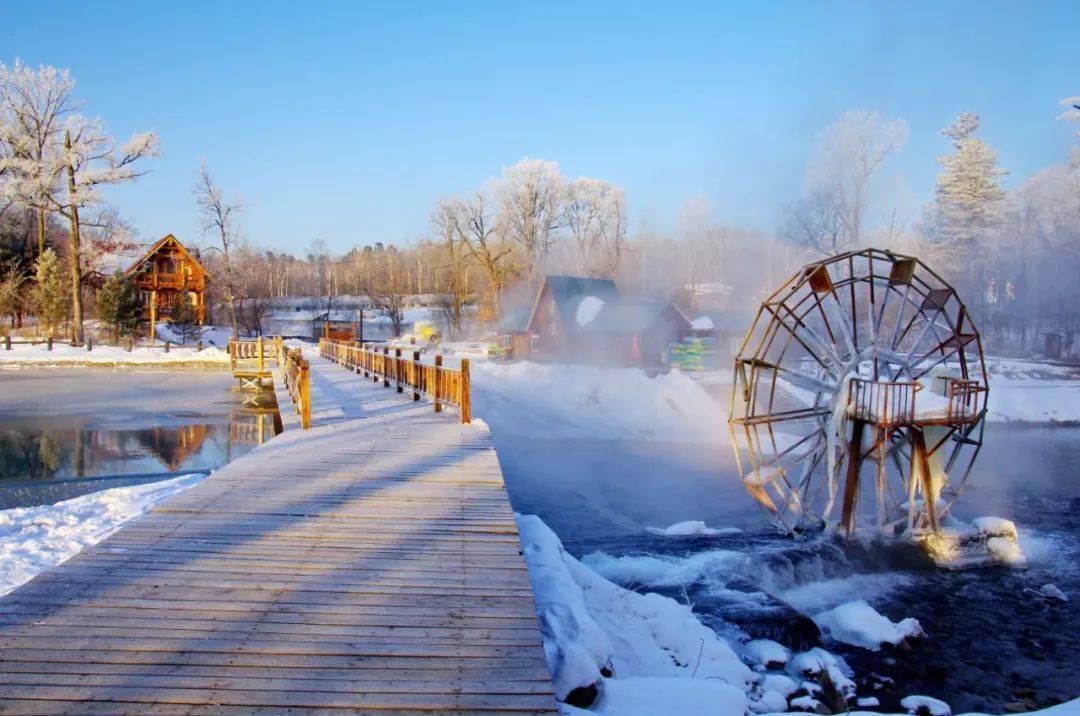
(991, 646)
(67, 432)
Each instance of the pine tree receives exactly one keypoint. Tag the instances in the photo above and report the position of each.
(184, 317)
(969, 196)
(119, 305)
(50, 298)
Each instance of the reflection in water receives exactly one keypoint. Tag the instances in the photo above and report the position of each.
(45, 458)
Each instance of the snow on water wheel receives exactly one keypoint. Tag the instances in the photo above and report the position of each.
(859, 396)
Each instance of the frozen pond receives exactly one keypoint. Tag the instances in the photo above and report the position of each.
(991, 644)
(66, 432)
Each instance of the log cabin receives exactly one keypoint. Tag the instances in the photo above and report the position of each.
(167, 274)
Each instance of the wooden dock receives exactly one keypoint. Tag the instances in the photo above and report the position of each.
(370, 563)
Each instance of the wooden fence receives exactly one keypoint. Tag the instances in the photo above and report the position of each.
(250, 361)
(445, 386)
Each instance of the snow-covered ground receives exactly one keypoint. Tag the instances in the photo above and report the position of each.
(1033, 392)
(102, 355)
(33, 539)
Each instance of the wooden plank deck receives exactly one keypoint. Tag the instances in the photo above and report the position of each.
(371, 563)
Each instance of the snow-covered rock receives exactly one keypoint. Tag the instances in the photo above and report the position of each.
(780, 683)
(925, 706)
(768, 653)
(1053, 593)
(692, 527)
(648, 640)
(858, 624)
(994, 527)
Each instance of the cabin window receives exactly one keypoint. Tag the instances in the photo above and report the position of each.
(534, 342)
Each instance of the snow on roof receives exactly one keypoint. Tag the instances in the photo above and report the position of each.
(702, 323)
(587, 310)
(568, 291)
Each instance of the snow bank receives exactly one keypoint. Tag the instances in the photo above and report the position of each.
(1026, 391)
(606, 403)
(692, 527)
(66, 355)
(33, 539)
(858, 624)
(588, 309)
(655, 647)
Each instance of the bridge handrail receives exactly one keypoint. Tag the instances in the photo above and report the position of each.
(296, 372)
(442, 385)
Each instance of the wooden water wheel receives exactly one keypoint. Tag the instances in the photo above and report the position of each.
(859, 396)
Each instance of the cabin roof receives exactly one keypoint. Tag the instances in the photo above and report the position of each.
(632, 316)
(157, 245)
(568, 293)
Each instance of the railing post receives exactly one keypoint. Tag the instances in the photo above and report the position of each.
(261, 361)
(416, 368)
(465, 398)
(436, 392)
(7, 343)
(385, 371)
(305, 395)
(397, 369)
(50, 343)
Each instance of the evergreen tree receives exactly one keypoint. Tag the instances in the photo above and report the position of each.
(119, 305)
(969, 207)
(50, 298)
(184, 317)
(969, 196)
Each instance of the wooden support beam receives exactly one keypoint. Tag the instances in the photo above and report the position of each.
(851, 483)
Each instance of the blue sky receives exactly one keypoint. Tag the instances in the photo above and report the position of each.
(346, 121)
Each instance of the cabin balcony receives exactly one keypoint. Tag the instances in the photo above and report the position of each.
(893, 404)
(176, 281)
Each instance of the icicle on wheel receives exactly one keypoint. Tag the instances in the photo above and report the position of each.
(859, 397)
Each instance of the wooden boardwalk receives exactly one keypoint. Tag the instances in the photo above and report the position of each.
(371, 563)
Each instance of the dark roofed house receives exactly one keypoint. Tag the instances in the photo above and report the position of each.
(563, 307)
(585, 320)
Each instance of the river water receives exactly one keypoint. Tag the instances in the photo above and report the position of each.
(991, 644)
(66, 432)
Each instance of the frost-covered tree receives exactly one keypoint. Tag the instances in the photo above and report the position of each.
(220, 219)
(594, 215)
(12, 285)
(33, 106)
(49, 297)
(531, 197)
(846, 157)
(968, 195)
(89, 159)
(486, 245)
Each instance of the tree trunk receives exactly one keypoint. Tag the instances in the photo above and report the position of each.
(41, 230)
(76, 264)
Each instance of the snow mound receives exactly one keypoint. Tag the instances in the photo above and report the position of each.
(692, 527)
(768, 653)
(527, 398)
(858, 624)
(588, 309)
(655, 646)
(33, 539)
(925, 706)
(995, 527)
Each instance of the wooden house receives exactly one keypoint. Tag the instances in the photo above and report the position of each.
(166, 275)
(584, 320)
(564, 305)
(636, 332)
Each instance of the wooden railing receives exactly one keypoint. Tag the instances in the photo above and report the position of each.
(967, 398)
(251, 357)
(445, 386)
(893, 404)
(296, 372)
(882, 403)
